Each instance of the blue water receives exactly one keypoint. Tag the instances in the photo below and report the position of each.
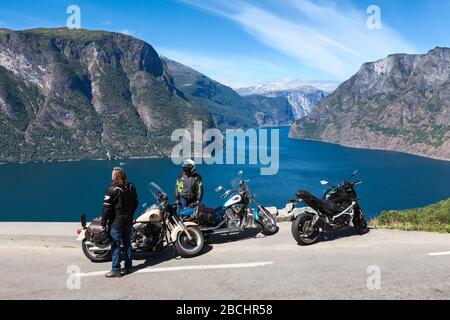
(62, 191)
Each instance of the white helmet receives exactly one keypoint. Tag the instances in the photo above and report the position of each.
(188, 163)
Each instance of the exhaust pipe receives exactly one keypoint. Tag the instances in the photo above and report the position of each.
(228, 230)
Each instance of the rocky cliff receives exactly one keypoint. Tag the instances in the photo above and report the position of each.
(399, 103)
(271, 111)
(80, 94)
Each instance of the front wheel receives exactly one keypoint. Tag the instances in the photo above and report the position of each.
(189, 248)
(302, 231)
(267, 222)
(360, 222)
(95, 256)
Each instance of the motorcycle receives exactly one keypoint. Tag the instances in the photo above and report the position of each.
(338, 208)
(235, 214)
(156, 228)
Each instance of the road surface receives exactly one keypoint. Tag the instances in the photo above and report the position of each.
(383, 264)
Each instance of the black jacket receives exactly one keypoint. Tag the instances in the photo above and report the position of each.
(189, 187)
(119, 206)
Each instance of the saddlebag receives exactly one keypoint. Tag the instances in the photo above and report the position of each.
(205, 215)
(94, 231)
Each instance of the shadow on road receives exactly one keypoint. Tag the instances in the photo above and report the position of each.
(151, 259)
(338, 234)
(227, 238)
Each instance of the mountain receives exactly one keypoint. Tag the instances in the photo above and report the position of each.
(302, 99)
(271, 111)
(400, 103)
(79, 94)
(228, 109)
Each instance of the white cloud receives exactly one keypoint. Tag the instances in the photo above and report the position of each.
(328, 38)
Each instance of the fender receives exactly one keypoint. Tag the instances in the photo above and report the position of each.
(82, 235)
(177, 230)
(307, 209)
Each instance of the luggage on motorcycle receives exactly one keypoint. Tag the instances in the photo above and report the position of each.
(205, 215)
(101, 239)
(97, 234)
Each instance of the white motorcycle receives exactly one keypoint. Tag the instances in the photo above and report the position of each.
(156, 228)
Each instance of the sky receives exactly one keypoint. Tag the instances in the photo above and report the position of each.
(247, 42)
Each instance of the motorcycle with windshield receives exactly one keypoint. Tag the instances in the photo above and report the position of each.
(157, 227)
(338, 208)
(235, 214)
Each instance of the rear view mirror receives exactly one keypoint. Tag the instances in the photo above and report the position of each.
(240, 173)
(218, 188)
(83, 220)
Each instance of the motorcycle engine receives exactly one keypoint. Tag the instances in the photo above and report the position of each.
(148, 234)
(233, 216)
(344, 220)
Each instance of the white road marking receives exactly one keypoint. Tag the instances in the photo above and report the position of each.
(440, 253)
(184, 268)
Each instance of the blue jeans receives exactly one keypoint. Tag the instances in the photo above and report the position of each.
(185, 203)
(118, 235)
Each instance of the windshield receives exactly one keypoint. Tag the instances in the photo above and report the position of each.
(235, 183)
(155, 190)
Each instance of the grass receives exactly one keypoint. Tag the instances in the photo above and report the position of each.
(433, 218)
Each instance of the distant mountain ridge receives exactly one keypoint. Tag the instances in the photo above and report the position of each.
(399, 103)
(301, 98)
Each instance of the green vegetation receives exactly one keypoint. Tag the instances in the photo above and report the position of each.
(433, 218)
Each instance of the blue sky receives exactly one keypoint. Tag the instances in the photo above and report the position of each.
(244, 42)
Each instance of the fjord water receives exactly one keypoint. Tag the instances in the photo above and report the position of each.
(62, 191)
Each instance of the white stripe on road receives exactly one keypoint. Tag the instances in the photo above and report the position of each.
(440, 253)
(184, 268)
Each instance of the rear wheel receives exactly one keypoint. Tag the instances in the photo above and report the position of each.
(267, 222)
(302, 231)
(189, 248)
(95, 256)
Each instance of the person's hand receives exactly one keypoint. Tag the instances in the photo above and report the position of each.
(103, 228)
(177, 202)
(194, 204)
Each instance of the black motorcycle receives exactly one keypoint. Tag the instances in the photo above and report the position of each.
(337, 208)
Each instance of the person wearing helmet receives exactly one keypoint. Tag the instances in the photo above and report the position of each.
(189, 187)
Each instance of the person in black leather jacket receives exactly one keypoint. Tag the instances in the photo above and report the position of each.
(119, 205)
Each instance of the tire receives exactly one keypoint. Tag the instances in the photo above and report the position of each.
(268, 225)
(360, 222)
(186, 248)
(105, 257)
(298, 230)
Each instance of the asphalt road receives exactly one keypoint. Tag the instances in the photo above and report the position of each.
(395, 265)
